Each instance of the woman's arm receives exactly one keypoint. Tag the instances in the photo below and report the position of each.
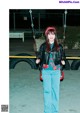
(63, 57)
(39, 55)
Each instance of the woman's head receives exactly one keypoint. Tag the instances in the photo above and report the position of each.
(50, 34)
(50, 29)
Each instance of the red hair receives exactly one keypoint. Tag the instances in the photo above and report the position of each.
(48, 29)
(56, 45)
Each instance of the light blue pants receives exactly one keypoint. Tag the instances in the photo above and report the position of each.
(51, 83)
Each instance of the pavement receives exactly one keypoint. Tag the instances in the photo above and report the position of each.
(26, 91)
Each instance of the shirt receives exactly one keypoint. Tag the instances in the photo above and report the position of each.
(51, 65)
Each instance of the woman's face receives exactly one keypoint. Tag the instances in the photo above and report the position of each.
(51, 37)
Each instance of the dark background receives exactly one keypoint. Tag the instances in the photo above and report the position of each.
(47, 17)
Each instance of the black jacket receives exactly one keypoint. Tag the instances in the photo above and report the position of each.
(44, 56)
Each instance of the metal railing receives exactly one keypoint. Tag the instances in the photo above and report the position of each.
(69, 58)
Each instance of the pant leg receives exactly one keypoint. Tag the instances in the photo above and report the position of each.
(47, 90)
(55, 84)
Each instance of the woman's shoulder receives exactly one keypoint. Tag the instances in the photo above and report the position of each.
(61, 47)
(43, 45)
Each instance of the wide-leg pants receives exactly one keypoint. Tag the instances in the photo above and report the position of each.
(51, 83)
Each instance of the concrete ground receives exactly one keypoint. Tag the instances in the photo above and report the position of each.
(26, 91)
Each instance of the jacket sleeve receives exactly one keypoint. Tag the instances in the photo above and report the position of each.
(39, 53)
(63, 57)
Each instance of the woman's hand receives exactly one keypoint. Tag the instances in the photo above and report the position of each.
(62, 62)
(37, 61)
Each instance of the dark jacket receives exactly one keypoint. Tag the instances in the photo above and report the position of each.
(44, 56)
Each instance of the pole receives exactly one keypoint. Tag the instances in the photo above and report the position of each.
(14, 20)
(65, 15)
(39, 22)
(32, 25)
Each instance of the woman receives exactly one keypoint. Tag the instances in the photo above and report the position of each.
(51, 57)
